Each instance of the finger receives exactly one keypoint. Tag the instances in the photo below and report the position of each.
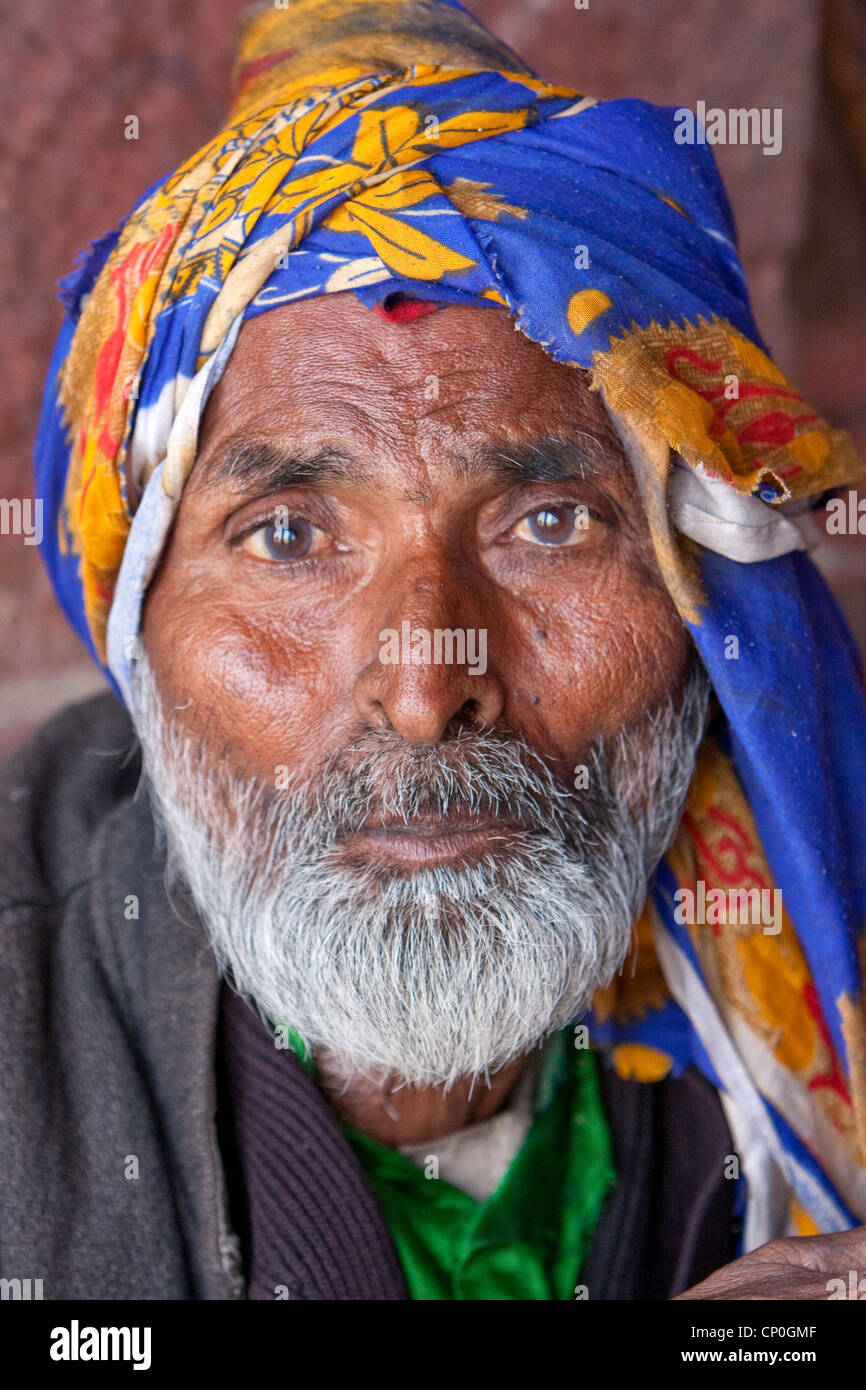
(826, 1253)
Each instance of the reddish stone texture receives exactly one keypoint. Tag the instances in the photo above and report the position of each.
(70, 75)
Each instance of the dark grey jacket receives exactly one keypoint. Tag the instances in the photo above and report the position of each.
(112, 1180)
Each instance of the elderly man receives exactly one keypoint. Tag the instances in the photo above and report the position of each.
(488, 927)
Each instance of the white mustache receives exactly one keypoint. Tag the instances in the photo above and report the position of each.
(455, 968)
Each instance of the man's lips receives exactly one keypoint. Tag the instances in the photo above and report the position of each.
(424, 841)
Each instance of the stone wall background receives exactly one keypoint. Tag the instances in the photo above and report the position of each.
(71, 73)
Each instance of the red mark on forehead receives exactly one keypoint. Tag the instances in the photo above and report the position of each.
(400, 308)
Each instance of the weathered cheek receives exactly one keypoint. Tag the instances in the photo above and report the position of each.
(590, 668)
(642, 651)
(275, 685)
(264, 681)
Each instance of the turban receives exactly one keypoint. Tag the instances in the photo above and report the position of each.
(395, 149)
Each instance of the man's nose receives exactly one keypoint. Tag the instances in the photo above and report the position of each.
(430, 662)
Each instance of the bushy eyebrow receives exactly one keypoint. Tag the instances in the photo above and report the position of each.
(258, 468)
(552, 459)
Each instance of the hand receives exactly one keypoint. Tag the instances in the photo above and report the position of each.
(797, 1267)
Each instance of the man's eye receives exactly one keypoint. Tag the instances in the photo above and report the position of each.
(560, 526)
(290, 538)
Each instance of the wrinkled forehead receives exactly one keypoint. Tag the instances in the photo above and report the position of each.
(329, 372)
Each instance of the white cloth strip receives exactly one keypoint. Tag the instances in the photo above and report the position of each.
(708, 510)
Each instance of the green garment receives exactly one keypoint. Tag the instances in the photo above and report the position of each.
(529, 1239)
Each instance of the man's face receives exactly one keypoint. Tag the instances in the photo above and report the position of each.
(424, 865)
(430, 473)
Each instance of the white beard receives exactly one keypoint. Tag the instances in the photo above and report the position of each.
(450, 970)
